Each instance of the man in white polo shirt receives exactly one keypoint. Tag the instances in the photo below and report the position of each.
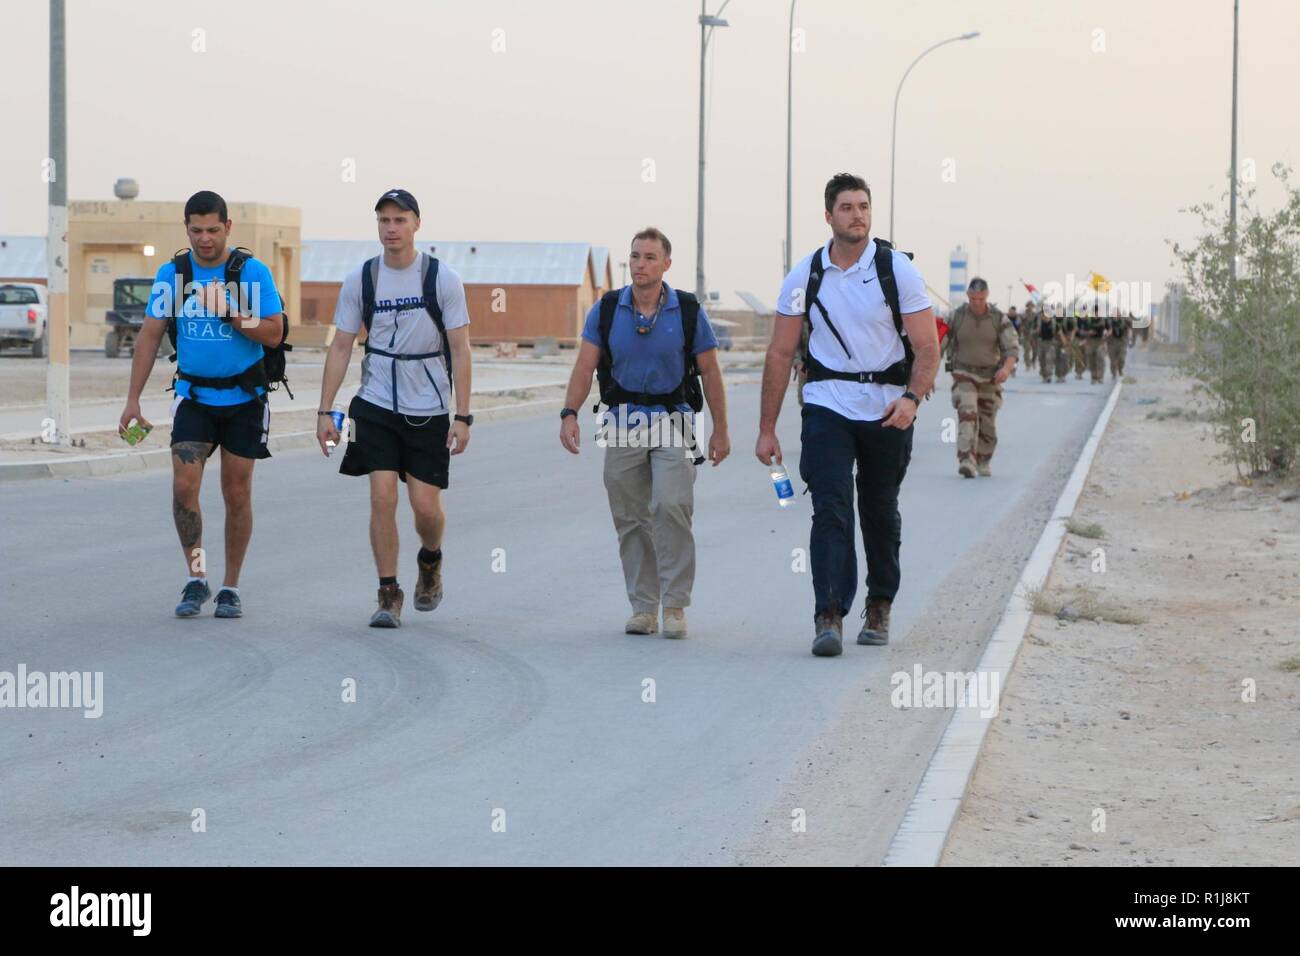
(872, 353)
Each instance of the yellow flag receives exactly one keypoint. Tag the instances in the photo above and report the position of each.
(1099, 282)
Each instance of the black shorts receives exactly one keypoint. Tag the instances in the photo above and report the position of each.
(240, 429)
(382, 440)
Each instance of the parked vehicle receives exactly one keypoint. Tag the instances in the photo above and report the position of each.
(23, 316)
(130, 296)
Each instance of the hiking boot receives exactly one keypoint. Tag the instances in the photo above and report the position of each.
(192, 598)
(965, 469)
(829, 638)
(389, 613)
(875, 631)
(228, 604)
(428, 585)
(641, 624)
(983, 469)
(674, 622)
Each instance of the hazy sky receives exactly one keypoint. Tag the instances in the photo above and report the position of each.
(1065, 159)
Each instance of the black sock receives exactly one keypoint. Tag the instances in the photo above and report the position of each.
(384, 582)
(430, 557)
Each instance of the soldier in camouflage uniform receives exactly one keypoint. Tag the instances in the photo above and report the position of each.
(1121, 327)
(982, 351)
(1094, 330)
(1029, 336)
(1077, 357)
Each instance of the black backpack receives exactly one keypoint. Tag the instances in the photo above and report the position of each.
(900, 372)
(268, 372)
(429, 289)
(688, 391)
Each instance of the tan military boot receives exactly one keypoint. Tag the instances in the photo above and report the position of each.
(428, 585)
(389, 613)
(984, 470)
(641, 624)
(828, 639)
(875, 631)
(674, 622)
(965, 468)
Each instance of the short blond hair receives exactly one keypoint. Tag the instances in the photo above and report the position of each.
(650, 232)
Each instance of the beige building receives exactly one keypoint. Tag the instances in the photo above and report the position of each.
(117, 238)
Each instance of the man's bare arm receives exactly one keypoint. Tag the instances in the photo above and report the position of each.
(924, 336)
(776, 369)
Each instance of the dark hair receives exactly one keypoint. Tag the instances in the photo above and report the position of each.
(842, 182)
(650, 232)
(203, 202)
(977, 285)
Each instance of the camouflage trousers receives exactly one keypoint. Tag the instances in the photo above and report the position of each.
(1029, 350)
(1077, 357)
(977, 400)
(1053, 357)
(1117, 349)
(1095, 358)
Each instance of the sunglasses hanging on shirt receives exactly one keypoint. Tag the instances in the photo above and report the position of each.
(643, 328)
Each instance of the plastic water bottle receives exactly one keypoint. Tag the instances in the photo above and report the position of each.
(781, 482)
(338, 415)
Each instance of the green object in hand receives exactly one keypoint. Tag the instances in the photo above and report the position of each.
(135, 433)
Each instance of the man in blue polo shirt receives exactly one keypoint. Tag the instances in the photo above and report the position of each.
(220, 332)
(648, 432)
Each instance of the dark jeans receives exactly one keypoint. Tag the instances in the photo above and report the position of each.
(831, 446)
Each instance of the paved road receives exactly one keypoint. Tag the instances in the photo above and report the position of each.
(520, 694)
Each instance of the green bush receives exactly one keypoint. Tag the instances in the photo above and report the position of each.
(1244, 335)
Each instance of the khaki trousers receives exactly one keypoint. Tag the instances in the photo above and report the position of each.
(652, 498)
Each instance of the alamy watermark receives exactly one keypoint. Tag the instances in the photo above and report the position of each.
(75, 690)
(948, 689)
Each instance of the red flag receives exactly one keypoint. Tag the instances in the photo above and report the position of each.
(942, 327)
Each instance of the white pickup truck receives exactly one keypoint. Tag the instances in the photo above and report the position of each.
(23, 316)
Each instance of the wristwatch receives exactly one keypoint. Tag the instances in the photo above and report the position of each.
(467, 419)
(912, 395)
(566, 412)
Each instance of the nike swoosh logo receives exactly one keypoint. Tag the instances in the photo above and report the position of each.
(872, 279)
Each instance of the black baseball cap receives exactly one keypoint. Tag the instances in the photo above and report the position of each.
(402, 198)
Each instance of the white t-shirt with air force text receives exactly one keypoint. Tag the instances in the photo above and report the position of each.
(401, 324)
(857, 307)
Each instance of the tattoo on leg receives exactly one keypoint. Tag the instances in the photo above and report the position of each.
(190, 452)
(189, 524)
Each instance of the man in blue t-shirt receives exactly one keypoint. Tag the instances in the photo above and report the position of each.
(648, 433)
(220, 332)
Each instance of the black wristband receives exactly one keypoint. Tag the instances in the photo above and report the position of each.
(566, 412)
(912, 395)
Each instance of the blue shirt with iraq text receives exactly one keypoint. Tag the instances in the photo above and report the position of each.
(205, 345)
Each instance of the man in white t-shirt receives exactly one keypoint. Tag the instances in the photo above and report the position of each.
(417, 348)
(865, 382)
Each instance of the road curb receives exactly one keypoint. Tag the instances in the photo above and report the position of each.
(923, 834)
(98, 466)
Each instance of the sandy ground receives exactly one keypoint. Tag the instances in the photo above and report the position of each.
(1133, 744)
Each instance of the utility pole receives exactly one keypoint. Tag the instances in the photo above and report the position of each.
(56, 237)
(1232, 203)
(789, 121)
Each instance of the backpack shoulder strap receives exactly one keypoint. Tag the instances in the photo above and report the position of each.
(429, 283)
(184, 276)
(888, 283)
(429, 288)
(816, 269)
(690, 319)
(369, 279)
(608, 305)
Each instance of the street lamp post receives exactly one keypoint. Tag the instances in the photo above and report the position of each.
(789, 117)
(1232, 203)
(707, 23)
(893, 136)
